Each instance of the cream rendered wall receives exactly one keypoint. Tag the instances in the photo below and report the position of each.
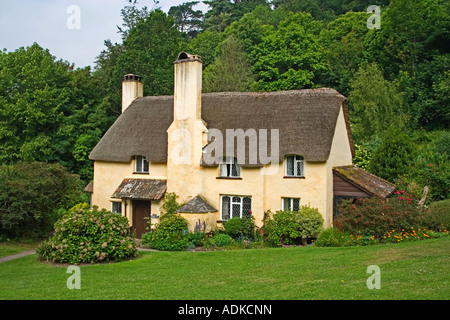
(311, 189)
(109, 175)
(340, 155)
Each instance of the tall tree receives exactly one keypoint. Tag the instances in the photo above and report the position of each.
(188, 20)
(150, 50)
(411, 45)
(230, 71)
(343, 47)
(290, 57)
(375, 104)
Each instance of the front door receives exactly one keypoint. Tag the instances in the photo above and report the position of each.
(141, 211)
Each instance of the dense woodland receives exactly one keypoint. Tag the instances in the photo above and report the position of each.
(396, 78)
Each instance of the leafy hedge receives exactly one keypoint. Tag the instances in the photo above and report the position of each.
(290, 227)
(169, 235)
(88, 236)
(376, 216)
(31, 195)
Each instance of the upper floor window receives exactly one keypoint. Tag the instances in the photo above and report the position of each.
(141, 165)
(294, 166)
(229, 168)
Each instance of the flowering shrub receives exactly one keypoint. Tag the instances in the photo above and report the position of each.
(83, 235)
(333, 237)
(376, 216)
(394, 236)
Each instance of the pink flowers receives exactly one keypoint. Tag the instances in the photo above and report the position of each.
(402, 195)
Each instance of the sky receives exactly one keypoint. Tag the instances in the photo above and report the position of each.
(73, 30)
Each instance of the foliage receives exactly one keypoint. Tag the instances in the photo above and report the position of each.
(83, 235)
(170, 204)
(375, 103)
(31, 195)
(169, 234)
(230, 71)
(150, 49)
(289, 227)
(290, 57)
(223, 240)
(332, 237)
(241, 227)
(393, 156)
(188, 20)
(437, 216)
(375, 216)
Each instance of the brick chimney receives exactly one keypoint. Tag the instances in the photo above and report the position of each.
(132, 88)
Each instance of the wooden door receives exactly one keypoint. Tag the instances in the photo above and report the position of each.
(141, 211)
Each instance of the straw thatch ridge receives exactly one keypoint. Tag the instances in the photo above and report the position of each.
(306, 120)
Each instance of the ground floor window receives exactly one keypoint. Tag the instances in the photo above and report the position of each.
(292, 204)
(235, 206)
(116, 207)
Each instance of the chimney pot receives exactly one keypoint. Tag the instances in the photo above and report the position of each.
(132, 88)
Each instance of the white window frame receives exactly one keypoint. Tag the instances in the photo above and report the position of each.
(291, 203)
(226, 168)
(296, 159)
(112, 207)
(241, 203)
(143, 163)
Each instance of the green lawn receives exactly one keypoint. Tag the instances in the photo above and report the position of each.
(410, 270)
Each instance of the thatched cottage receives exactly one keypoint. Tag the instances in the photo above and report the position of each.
(227, 154)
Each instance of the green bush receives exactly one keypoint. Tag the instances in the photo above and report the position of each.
(437, 216)
(290, 227)
(332, 237)
(376, 216)
(32, 195)
(87, 236)
(241, 227)
(223, 240)
(169, 235)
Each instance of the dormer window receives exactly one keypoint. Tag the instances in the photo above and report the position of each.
(141, 165)
(229, 168)
(294, 166)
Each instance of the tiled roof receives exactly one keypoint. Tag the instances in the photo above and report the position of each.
(366, 181)
(141, 189)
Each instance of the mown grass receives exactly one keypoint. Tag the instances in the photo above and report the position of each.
(16, 246)
(410, 270)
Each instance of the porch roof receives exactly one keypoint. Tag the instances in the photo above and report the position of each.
(141, 189)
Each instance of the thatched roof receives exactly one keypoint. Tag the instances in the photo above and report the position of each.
(141, 189)
(366, 181)
(196, 205)
(306, 120)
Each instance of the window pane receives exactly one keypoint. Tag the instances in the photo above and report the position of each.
(116, 207)
(290, 165)
(234, 170)
(225, 208)
(295, 204)
(138, 164)
(247, 207)
(286, 204)
(236, 210)
(145, 164)
(300, 168)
